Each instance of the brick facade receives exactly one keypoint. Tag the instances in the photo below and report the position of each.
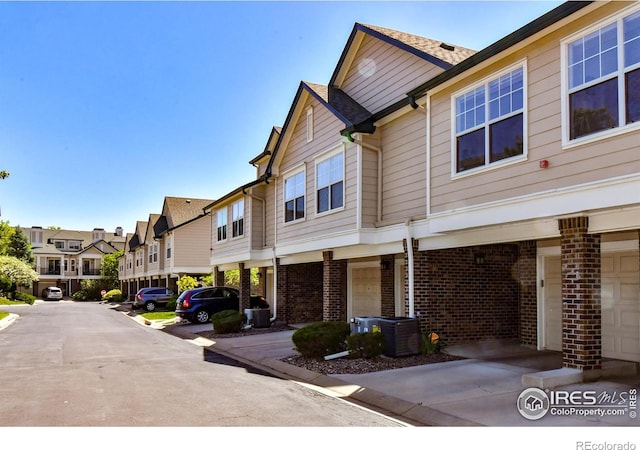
(245, 287)
(334, 286)
(467, 294)
(387, 286)
(581, 296)
(526, 270)
(300, 290)
(218, 277)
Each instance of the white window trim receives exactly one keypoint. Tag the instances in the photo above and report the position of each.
(241, 235)
(321, 158)
(525, 132)
(285, 176)
(218, 224)
(619, 74)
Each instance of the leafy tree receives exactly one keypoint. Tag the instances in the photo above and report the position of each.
(17, 271)
(110, 269)
(186, 282)
(232, 278)
(20, 247)
(6, 233)
(3, 174)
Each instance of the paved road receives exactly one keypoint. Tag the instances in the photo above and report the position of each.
(83, 364)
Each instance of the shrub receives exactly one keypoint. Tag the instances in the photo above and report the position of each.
(172, 303)
(24, 297)
(321, 338)
(80, 295)
(114, 295)
(365, 345)
(228, 321)
(6, 284)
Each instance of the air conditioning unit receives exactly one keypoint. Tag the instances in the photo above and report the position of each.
(401, 334)
(365, 324)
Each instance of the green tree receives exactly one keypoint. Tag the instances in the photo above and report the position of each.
(110, 269)
(20, 247)
(232, 278)
(6, 233)
(3, 174)
(17, 271)
(186, 282)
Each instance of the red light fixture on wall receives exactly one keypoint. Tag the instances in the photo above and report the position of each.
(544, 164)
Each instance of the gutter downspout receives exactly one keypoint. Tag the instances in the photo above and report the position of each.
(275, 287)
(378, 150)
(410, 266)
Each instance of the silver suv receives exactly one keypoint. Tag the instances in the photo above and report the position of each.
(150, 298)
(52, 293)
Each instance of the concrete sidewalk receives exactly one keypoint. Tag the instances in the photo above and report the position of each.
(482, 390)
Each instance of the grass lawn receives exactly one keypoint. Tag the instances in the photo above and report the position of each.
(4, 301)
(3, 314)
(159, 315)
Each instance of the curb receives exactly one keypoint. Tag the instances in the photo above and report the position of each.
(7, 321)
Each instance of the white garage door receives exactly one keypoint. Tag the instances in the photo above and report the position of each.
(620, 306)
(366, 298)
(620, 299)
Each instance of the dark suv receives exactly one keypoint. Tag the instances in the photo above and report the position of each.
(150, 298)
(198, 305)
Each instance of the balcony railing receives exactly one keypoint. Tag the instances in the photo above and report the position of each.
(91, 271)
(49, 271)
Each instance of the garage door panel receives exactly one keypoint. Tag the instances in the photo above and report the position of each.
(366, 292)
(629, 265)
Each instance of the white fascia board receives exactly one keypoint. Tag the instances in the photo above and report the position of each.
(615, 193)
(255, 258)
(190, 269)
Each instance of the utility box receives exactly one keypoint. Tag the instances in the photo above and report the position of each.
(401, 334)
(261, 318)
(367, 324)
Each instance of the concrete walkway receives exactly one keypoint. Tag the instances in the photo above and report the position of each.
(482, 390)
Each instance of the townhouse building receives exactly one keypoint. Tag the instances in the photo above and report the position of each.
(66, 257)
(167, 246)
(491, 194)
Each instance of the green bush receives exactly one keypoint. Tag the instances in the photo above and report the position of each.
(172, 303)
(114, 295)
(365, 345)
(319, 339)
(80, 295)
(228, 321)
(431, 343)
(24, 297)
(6, 285)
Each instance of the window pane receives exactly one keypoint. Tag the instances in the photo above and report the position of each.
(632, 52)
(336, 168)
(576, 52)
(592, 69)
(576, 75)
(592, 45)
(494, 109)
(300, 184)
(323, 173)
(594, 109)
(632, 39)
(609, 61)
(506, 138)
(323, 199)
(609, 37)
(633, 96)
(336, 195)
(470, 150)
(299, 207)
(516, 100)
(288, 211)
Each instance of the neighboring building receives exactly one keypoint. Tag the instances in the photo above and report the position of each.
(167, 246)
(492, 195)
(66, 257)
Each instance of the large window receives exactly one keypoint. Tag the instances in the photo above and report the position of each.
(490, 122)
(294, 197)
(330, 183)
(237, 218)
(603, 75)
(222, 224)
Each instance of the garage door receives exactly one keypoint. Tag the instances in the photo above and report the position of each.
(620, 306)
(620, 299)
(366, 298)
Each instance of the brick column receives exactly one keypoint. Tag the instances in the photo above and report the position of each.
(334, 302)
(218, 277)
(581, 301)
(527, 293)
(245, 287)
(282, 274)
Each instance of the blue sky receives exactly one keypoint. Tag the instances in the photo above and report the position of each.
(108, 107)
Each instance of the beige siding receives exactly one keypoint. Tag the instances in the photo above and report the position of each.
(369, 186)
(191, 244)
(300, 152)
(404, 164)
(234, 245)
(604, 159)
(381, 74)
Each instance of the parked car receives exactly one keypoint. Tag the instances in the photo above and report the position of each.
(152, 298)
(199, 304)
(52, 293)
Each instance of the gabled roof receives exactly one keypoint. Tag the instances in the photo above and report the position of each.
(436, 52)
(178, 211)
(138, 238)
(148, 233)
(97, 247)
(271, 143)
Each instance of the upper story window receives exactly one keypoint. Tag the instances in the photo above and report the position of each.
(153, 253)
(221, 217)
(36, 237)
(310, 124)
(237, 217)
(330, 183)
(294, 189)
(74, 245)
(168, 247)
(490, 121)
(59, 245)
(603, 77)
